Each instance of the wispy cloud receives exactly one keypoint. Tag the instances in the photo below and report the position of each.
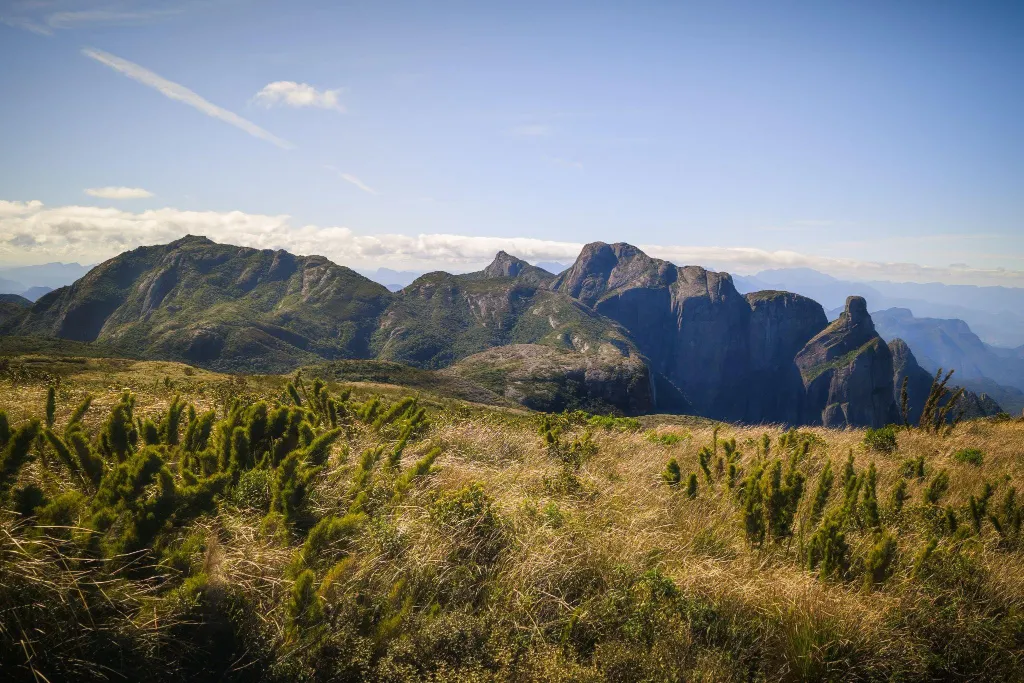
(32, 232)
(118, 192)
(27, 25)
(566, 163)
(107, 17)
(180, 93)
(349, 178)
(292, 94)
(531, 130)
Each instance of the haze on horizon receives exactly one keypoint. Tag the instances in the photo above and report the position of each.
(868, 141)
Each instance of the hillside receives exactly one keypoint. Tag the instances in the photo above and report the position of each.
(432, 539)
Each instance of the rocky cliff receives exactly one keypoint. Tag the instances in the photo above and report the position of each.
(848, 373)
(730, 356)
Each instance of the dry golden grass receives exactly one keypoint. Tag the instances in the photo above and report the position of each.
(566, 533)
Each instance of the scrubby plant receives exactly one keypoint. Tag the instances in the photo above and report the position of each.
(969, 456)
(882, 439)
(691, 486)
(828, 551)
(672, 474)
(821, 493)
(880, 560)
(937, 488)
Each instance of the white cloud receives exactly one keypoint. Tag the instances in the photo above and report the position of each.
(27, 24)
(118, 192)
(107, 17)
(531, 130)
(179, 92)
(349, 178)
(292, 94)
(33, 233)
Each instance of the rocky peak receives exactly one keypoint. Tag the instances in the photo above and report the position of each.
(505, 265)
(601, 268)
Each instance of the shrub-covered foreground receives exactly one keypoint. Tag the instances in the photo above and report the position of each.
(164, 523)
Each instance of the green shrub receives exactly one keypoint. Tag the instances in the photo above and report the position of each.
(882, 439)
(937, 488)
(827, 550)
(880, 560)
(253, 490)
(969, 456)
(691, 486)
(672, 475)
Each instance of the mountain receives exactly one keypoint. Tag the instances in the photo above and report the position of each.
(996, 314)
(919, 384)
(394, 280)
(220, 306)
(952, 345)
(847, 372)
(36, 293)
(730, 356)
(618, 330)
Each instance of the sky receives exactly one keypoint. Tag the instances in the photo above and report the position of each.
(869, 140)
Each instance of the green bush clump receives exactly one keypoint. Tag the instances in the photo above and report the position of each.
(882, 439)
(969, 456)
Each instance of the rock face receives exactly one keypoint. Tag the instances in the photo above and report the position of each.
(919, 384)
(550, 379)
(730, 356)
(847, 372)
(505, 265)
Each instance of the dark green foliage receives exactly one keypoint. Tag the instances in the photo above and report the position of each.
(753, 507)
(320, 447)
(5, 429)
(821, 493)
(1007, 519)
(869, 504)
(197, 434)
(950, 520)
(79, 412)
(293, 393)
(304, 610)
(27, 499)
(880, 560)
(937, 488)
(899, 496)
(969, 456)
(420, 468)
(704, 459)
(781, 498)
(672, 474)
(327, 538)
(51, 406)
(17, 452)
(171, 422)
(882, 439)
(691, 486)
(150, 433)
(290, 487)
(827, 550)
(913, 468)
(119, 434)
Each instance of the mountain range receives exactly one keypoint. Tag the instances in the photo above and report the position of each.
(617, 330)
(995, 314)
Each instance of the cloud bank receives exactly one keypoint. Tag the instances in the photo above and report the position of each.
(178, 92)
(31, 232)
(118, 192)
(292, 94)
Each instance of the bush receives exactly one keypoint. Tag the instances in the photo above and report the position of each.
(969, 456)
(882, 439)
(253, 490)
(879, 564)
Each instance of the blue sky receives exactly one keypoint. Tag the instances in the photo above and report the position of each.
(861, 138)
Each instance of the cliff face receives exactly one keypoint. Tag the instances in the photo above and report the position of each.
(730, 356)
(847, 372)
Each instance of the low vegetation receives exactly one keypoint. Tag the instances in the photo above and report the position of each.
(159, 522)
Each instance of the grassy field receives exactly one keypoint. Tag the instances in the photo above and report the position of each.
(377, 537)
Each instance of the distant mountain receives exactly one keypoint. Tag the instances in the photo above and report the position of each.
(553, 266)
(996, 314)
(50, 275)
(950, 344)
(394, 280)
(618, 330)
(34, 293)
